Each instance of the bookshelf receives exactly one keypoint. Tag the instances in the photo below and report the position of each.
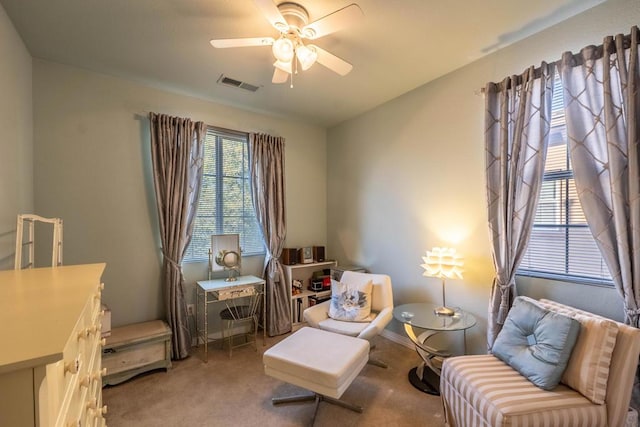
(303, 272)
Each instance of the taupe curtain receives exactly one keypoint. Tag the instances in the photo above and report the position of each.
(517, 122)
(267, 186)
(602, 104)
(176, 149)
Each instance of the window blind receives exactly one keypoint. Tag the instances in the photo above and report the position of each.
(561, 245)
(225, 205)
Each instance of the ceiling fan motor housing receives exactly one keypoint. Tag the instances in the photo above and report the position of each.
(295, 15)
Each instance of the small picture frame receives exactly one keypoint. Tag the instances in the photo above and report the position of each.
(296, 287)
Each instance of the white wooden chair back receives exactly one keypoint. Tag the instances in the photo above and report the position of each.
(28, 246)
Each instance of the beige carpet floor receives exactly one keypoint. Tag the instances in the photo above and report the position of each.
(236, 392)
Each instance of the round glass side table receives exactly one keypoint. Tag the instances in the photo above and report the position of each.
(421, 316)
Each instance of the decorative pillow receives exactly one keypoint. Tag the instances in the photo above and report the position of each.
(588, 367)
(536, 342)
(350, 302)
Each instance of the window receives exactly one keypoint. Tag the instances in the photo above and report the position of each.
(561, 245)
(225, 205)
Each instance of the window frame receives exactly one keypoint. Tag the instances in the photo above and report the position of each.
(218, 209)
(564, 221)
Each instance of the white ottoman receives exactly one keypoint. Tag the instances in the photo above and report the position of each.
(323, 362)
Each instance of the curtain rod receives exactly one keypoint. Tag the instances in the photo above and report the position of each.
(577, 57)
(145, 115)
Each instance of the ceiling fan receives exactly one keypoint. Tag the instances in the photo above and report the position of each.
(292, 22)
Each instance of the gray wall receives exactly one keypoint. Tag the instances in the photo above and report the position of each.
(93, 169)
(409, 175)
(16, 136)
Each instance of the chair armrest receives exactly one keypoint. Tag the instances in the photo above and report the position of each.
(316, 314)
(379, 323)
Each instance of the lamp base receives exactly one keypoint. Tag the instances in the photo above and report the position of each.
(444, 311)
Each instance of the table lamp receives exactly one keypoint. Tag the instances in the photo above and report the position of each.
(443, 263)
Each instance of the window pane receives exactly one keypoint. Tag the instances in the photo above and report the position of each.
(551, 205)
(225, 205)
(585, 258)
(546, 251)
(576, 214)
(251, 227)
(557, 151)
(233, 158)
(207, 202)
(233, 197)
(561, 243)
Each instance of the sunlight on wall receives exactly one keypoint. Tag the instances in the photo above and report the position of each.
(450, 224)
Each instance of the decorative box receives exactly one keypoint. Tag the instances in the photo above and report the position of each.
(134, 349)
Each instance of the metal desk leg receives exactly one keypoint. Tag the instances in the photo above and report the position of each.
(196, 319)
(206, 329)
(264, 314)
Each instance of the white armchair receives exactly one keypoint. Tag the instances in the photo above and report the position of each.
(317, 316)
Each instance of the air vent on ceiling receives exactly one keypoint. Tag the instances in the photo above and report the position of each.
(228, 81)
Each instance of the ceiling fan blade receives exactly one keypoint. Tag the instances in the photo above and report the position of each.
(244, 42)
(273, 15)
(332, 62)
(279, 76)
(333, 22)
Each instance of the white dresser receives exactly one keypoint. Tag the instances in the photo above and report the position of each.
(50, 347)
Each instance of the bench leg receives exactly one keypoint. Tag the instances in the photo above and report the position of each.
(293, 399)
(317, 398)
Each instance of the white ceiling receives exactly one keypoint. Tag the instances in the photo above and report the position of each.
(398, 46)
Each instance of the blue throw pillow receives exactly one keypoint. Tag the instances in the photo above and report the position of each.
(536, 342)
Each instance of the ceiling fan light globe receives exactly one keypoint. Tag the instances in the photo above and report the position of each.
(281, 26)
(308, 33)
(284, 66)
(283, 49)
(307, 56)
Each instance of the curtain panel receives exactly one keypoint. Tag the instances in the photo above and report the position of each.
(517, 123)
(177, 146)
(602, 104)
(268, 189)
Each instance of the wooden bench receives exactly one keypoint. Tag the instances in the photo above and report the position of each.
(134, 349)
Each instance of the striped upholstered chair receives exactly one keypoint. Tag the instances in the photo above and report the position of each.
(481, 390)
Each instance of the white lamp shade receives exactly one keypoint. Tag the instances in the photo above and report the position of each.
(443, 262)
(283, 49)
(284, 66)
(307, 56)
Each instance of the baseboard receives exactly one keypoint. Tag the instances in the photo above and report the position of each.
(398, 338)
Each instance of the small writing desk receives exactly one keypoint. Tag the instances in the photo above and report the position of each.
(210, 291)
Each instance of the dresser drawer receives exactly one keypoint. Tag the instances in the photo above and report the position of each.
(67, 385)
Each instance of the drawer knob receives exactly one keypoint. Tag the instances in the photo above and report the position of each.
(72, 367)
(84, 382)
(103, 342)
(93, 407)
(99, 374)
